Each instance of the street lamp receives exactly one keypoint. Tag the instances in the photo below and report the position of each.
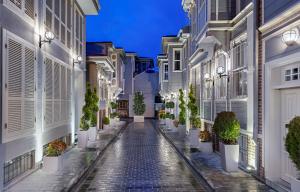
(291, 36)
(48, 37)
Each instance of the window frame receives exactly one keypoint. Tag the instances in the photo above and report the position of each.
(21, 11)
(165, 74)
(176, 60)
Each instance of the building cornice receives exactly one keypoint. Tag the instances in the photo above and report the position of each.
(280, 19)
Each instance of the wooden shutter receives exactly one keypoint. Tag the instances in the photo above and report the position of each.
(56, 92)
(14, 86)
(29, 8)
(48, 92)
(20, 81)
(28, 120)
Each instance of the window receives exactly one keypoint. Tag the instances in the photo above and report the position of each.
(166, 72)
(208, 85)
(177, 60)
(292, 74)
(18, 166)
(26, 7)
(58, 19)
(239, 73)
(78, 32)
(19, 74)
(57, 94)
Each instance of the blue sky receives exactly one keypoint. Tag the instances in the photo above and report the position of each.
(136, 25)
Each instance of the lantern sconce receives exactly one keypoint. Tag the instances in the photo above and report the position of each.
(48, 37)
(207, 77)
(291, 36)
(78, 60)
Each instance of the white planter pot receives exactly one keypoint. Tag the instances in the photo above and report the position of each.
(206, 147)
(169, 123)
(52, 164)
(82, 139)
(295, 185)
(181, 130)
(106, 126)
(229, 157)
(92, 133)
(139, 119)
(194, 138)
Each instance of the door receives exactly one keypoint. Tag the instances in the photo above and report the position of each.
(290, 107)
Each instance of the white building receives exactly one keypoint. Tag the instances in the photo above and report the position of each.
(42, 83)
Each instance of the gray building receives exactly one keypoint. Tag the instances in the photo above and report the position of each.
(42, 82)
(222, 66)
(279, 82)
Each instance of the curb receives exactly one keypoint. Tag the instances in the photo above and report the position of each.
(197, 173)
(76, 181)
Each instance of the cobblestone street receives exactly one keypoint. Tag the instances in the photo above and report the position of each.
(141, 160)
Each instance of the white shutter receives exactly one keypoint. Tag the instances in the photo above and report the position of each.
(29, 8)
(18, 3)
(63, 94)
(28, 120)
(14, 86)
(68, 105)
(56, 92)
(48, 93)
(20, 97)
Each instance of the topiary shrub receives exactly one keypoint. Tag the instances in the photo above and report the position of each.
(194, 119)
(162, 116)
(170, 105)
(114, 115)
(87, 111)
(106, 121)
(182, 113)
(113, 105)
(205, 136)
(94, 108)
(139, 106)
(227, 127)
(292, 141)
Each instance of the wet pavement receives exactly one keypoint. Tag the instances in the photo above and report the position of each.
(141, 160)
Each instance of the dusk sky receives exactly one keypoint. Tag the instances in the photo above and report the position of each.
(136, 25)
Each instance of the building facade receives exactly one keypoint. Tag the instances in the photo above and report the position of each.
(279, 61)
(105, 72)
(139, 75)
(42, 81)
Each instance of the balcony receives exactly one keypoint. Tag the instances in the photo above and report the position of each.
(89, 7)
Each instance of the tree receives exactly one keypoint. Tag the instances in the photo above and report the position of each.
(87, 111)
(292, 142)
(194, 119)
(139, 106)
(94, 108)
(182, 107)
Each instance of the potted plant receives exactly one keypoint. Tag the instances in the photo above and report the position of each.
(53, 161)
(113, 106)
(292, 145)
(205, 142)
(195, 120)
(162, 117)
(139, 107)
(114, 117)
(85, 119)
(94, 110)
(169, 120)
(106, 123)
(227, 127)
(182, 114)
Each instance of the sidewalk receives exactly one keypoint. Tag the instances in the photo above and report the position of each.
(209, 167)
(76, 162)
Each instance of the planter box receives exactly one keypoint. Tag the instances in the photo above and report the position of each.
(52, 164)
(139, 119)
(82, 139)
(106, 126)
(194, 138)
(206, 147)
(182, 130)
(295, 185)
(92, 133)
(229, 157)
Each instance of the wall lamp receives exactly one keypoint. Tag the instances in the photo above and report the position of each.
(207, 77)
(78, 60)
(221, 72)
(48, 37)
(291, 36)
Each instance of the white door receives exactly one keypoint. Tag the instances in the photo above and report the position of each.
(290, 107)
